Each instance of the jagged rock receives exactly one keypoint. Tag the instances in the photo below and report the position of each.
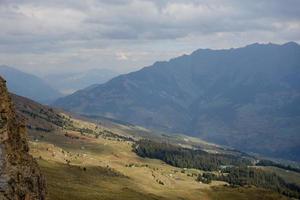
(20, 176)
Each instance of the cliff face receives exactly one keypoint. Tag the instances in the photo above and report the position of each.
(20, 177)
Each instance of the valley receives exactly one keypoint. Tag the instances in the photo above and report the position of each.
(84, 159)
(149, 100)
(246, 98)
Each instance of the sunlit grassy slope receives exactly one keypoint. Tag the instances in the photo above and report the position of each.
(105, 169)
(228, 193)
(94, 160)
(108, 169)
(89, 168)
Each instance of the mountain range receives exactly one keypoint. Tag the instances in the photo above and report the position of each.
(68, 83)
(247, 98)
(52, 86)
(84, 158)
(28, 85)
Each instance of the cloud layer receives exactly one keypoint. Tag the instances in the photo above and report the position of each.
(46, 36)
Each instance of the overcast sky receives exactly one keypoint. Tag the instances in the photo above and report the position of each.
(47, 36)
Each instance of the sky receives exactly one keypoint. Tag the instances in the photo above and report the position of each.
(56, 36)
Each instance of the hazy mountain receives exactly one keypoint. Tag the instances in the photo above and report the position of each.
(248, 98)
(28, 85)
(68, 83)
(79, 155)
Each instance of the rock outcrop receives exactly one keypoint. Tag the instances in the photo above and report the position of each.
(20, 176)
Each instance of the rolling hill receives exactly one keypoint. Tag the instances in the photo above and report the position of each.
(96, 159)
(28, 85)
(247, 98)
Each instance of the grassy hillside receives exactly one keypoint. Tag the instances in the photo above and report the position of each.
(95, 160)
(106, 168)
(227, 193)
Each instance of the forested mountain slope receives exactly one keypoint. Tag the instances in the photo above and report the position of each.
(247, 98)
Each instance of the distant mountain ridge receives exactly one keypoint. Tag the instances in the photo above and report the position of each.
(28, 85)
(68, 83)
(247, 98)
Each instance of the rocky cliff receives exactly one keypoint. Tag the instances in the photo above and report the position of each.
(20, 176)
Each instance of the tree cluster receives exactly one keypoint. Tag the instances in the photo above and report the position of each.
(278, 165)
(250, 176)
(186, 158)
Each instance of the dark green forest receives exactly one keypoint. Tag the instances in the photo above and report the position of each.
(278, 165)
(250, 176)
(235, 170)
(187, 158)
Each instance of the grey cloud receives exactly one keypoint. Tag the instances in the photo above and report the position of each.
(62, 28)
